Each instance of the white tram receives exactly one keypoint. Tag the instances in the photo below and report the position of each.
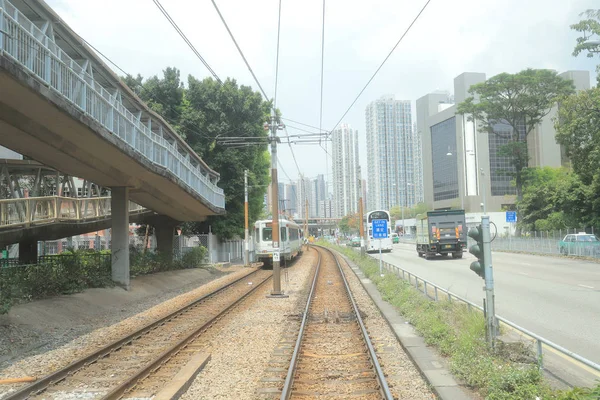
(373, 245)
(290, 240)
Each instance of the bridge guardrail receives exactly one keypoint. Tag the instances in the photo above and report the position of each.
(29, 211)
(428, 287)
(34, 51)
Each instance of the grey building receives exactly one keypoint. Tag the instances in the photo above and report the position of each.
(345, 174)
(390, 154)
(462, 166)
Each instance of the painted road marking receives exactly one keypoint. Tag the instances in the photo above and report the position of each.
(523, 273)
(586, 286)
(529, 265)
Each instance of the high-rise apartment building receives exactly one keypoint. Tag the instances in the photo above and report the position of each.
(315, 191)
(390, 154)
(462, 166)
(345, 166)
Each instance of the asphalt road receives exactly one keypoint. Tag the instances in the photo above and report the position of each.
(556, 298)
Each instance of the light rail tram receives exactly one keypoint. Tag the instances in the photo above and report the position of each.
(290, 240)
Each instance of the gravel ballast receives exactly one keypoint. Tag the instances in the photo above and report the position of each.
(43, 364)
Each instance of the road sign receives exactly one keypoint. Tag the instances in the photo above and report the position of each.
(511, 216)
(380, 229)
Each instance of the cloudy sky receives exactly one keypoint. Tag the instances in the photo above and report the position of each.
(450, 37)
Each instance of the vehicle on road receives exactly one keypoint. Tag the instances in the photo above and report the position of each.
(290, 240)
(580, 244)
(355, 242)
(395, 238)
(441, 232)
(373, 245)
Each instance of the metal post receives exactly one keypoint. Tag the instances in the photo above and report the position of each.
(247, 252)
(362, 227)
(380, 259)
(489, 281)
(483, 192)
(275, 208)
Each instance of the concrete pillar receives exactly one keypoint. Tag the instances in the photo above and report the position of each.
(28, 252)
(120, 235)
(165, 234)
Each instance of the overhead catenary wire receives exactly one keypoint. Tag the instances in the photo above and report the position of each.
(240, 51)
(187, 41)
(322, 68)
(381, 65)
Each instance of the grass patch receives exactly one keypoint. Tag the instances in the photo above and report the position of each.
(459, 334)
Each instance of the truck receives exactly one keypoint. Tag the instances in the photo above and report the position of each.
(441, 232)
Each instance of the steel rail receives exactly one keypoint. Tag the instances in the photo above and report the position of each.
(287, 387)
(387, 394)
(163, 358)
(64, 372)
(289, 379)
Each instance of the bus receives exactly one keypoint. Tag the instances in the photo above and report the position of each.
(372, 245)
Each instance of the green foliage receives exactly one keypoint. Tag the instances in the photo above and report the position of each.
(195, 257)
(459, 334)
(590, 28)
(409, 212)
(514, 100)
(74, 271)
(555, 198)
(203, 112)
(350, 223)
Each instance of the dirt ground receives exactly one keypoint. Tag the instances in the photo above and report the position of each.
(43, 325)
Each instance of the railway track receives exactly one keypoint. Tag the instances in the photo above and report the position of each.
(114, 370)
(333, 355)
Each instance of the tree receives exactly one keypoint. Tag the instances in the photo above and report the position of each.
(555, 198)
(350, 223)
(409, 212)
(590, 28)
(578, 130)
(200, 114)
(510, 106)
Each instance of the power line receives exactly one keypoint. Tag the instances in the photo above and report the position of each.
(184, 37)
(300, 123)
(384, 61)
(322, 65)
(240, 51)
(277, 58)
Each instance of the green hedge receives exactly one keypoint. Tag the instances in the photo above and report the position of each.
(74, 271)
(510, 372)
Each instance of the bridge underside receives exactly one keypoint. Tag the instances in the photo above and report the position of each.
(59, 230)
(39, 123)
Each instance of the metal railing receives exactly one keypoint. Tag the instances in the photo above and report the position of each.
(25, 43)
(29, 211)
(437, 293)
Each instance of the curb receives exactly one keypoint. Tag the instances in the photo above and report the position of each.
(430, 364)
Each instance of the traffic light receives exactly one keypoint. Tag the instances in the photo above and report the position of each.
(477, 250)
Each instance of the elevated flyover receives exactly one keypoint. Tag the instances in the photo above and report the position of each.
(62, 106)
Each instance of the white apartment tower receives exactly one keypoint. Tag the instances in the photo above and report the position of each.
(345, 174)
(391, 158)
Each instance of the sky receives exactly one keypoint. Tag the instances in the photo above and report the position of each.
(449, 38)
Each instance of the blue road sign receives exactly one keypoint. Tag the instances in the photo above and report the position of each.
(380, 229)
(511, 216)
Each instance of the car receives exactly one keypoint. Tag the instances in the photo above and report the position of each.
(395, 238)
(355, 242)
(580, 244)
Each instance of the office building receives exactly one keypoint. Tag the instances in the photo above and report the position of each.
(345, 174)
(462, 167)
(390, 154)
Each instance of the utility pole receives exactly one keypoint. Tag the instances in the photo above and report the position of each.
(306, 218)
(490, 306)
(247, 258)
(361, 213)
(274, 126)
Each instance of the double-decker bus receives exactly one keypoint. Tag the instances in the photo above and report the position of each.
(372, 245)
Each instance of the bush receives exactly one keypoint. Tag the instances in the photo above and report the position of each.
(194, 257)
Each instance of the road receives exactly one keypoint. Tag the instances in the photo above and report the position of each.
(556, 298)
